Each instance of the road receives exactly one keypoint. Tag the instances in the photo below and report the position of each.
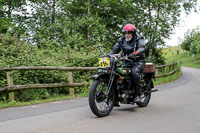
(175, 108)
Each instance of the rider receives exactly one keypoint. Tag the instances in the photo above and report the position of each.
(133, 46)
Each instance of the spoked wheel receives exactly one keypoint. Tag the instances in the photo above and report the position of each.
(100, 103)
(145, 98)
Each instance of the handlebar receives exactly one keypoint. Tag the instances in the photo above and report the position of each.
(125, 58)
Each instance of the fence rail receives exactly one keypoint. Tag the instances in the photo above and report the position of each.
(48, 68)
(172, 68)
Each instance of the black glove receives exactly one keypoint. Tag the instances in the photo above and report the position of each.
(133, 56)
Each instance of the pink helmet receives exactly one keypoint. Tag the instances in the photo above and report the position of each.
(129, 28)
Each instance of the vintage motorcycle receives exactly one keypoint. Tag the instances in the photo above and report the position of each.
(113, 84)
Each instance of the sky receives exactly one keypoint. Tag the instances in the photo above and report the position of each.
(190, 21)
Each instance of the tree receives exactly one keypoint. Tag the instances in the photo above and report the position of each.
(88, 22)
(110, 16)
(154, 19)
(42, 22)
(157, 19)
(195, 43)
(9, 13)
(191, 41)
(188, 38)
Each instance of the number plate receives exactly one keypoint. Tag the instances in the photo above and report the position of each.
(104, 62)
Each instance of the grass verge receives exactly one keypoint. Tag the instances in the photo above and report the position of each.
(52, 99)
(170, 78)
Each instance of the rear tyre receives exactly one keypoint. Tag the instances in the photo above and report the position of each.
(145, 98)
(100, 104)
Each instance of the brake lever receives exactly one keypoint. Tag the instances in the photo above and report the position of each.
(128, 59)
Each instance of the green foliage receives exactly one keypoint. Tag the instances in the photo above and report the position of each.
(191, 41)
(182, 58)
(4, 24)
(49, 53)
(186, 43)
(12, 14)
(169, 78)
(158, 57)
(157, 19)
(80, 23)
(66, 33)
(195, 44)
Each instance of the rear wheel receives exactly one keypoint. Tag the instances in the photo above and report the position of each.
(145, 98)
(101, 104)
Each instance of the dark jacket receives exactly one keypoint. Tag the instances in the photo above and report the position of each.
(135, 45)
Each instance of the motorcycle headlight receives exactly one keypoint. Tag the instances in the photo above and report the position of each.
(99, 70)
(102, 70)
(105, 71)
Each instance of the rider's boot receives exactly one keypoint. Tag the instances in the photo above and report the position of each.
(116, 100)
(137, 99)
(137, 94)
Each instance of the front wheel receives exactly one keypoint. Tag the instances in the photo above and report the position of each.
(145, 98)
(100, 103)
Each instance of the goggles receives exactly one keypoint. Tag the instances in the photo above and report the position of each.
(127, 32)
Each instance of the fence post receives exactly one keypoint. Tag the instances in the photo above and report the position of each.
(71, 90)
(163, 69)
(176, 65)
(10, 83)
(156, 74)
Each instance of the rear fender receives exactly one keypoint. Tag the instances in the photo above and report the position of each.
(150, 77)
(152, 85)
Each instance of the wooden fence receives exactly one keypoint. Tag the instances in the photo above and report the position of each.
(171, 68)
(166, 70)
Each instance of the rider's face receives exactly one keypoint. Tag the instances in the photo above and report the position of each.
(128, 35)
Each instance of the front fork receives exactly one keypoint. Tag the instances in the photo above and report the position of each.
(110, 83)
(111, 79)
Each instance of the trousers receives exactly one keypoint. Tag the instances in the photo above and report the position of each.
(136, 70)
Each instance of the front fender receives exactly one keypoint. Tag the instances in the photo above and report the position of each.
(98, 76)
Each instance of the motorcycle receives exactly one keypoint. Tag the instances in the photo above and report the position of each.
(113, 84)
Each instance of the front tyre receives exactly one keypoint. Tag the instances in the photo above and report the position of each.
(100, 104)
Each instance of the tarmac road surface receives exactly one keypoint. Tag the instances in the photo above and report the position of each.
(175, 108)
